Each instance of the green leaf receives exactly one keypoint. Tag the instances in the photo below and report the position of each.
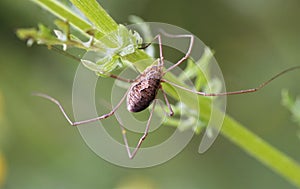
(97, 15)
(65, 14)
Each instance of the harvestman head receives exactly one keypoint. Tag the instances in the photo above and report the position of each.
(143, 90)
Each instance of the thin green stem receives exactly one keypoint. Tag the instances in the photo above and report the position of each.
(261, 150)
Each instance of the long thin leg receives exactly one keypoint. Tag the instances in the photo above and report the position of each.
(188, 51)
(167, 101)
(158, 37)
(133, 153)
(235, 92)
(84, 121)
(162, 106)
(121, 79)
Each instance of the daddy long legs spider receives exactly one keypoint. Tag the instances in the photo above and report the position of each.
(144, 88)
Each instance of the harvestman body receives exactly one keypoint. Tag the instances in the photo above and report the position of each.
(144, 88)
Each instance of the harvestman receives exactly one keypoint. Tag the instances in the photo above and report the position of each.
(144, 88)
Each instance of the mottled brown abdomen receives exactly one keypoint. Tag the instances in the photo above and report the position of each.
(142, 94)
(143, 91)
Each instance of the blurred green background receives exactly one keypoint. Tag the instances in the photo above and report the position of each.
(253, 40)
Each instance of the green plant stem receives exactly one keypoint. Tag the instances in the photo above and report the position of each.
(261, 150)
(234, 131)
